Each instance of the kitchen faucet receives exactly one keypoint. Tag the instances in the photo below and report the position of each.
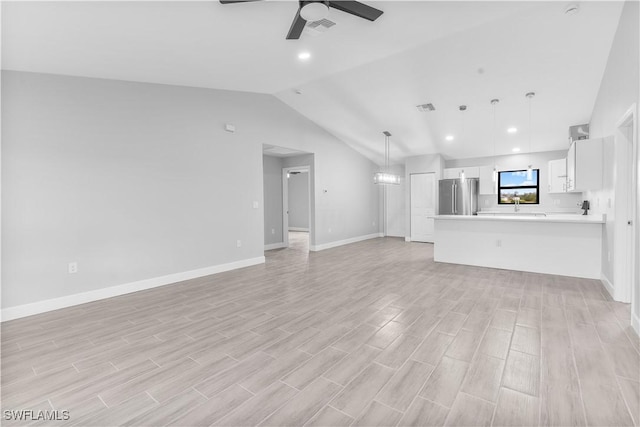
(516, 204)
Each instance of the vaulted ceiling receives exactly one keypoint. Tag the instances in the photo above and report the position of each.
(362, 78)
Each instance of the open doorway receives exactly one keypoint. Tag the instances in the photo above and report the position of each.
(627, 268)
(288, 199)
(296, 207)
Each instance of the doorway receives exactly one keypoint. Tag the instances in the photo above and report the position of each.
(296, 207)
(627, 282)
(423, 206)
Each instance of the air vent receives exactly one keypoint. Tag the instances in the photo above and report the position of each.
(315, 28)
(425, 107)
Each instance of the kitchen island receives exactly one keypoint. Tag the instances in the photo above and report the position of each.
(563, 244)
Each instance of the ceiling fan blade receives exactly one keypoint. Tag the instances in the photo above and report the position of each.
(236, 1)
(296, 27)
(358, 9)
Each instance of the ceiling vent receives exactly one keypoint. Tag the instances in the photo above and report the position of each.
(425, 107)
(316, 28)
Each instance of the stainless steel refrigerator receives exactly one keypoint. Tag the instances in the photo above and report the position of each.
(458, 196)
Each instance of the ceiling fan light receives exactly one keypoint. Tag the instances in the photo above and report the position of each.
(315, 11)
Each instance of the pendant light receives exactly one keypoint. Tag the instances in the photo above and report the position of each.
(462, 109)
(530, 95)
(385, 177)
(494, 102)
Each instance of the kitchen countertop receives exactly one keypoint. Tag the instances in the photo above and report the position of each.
(527, 217)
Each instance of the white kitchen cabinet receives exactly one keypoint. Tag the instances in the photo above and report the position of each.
(469, 172)
(557, 172)
(584, 165)
(487, 184)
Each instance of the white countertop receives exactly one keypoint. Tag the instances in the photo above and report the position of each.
(527, 217)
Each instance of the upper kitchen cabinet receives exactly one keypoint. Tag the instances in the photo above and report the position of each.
(470, 172)
(584, 165)
(487, 184)
(557, 176)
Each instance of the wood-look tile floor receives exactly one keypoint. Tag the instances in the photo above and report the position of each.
(373, 333)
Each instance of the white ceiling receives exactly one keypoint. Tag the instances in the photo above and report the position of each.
(363, 77)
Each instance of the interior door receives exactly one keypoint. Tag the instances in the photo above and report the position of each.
(423, 206)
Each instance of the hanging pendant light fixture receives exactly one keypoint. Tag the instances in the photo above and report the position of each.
(385, 177)
(530, 95)
(462, 109)
(494, 102)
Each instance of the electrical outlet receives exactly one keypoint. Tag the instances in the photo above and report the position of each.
(239, 243)
(329, 229)
(498, 243)
(255, 205)
(486, 202)
(73, 267)
(373, 223)
(273, 231)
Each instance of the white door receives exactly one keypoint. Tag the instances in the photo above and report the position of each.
(423, 206)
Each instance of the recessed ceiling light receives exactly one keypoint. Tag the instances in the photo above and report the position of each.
(449, 137)
(512, 129)
(304, 56)
(515, 150)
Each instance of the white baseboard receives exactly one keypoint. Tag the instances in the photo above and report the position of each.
(274, 246)
(298, 229)
(316, 248)
(608, 285)
(635, 323)
(25, 310)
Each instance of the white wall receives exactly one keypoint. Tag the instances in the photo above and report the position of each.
(396, 203)
(619, 90)
(299, 201)
(419, 164)
(137, 181)
(554, 202)
(272, 172)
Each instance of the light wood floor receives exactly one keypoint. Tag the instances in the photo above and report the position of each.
(373, 333)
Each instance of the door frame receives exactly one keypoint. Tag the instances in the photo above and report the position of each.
(435, 201)
(285, 201)
(627, 268)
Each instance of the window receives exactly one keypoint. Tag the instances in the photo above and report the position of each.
(514, 185)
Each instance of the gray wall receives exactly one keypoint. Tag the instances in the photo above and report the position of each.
(396, 203)
(272, 171)
(136, 181)
(554, 202)
(299, 201)
(619, 89)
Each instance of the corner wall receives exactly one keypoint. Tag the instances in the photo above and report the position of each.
(619, 90)
(139, 181)
(272, 201)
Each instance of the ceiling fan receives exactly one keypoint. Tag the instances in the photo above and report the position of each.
(315, 10)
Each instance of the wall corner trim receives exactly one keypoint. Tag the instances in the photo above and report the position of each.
(316, 248)
(608, 285)
(19, 311)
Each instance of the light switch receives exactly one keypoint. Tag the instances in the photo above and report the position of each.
(255, 205)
